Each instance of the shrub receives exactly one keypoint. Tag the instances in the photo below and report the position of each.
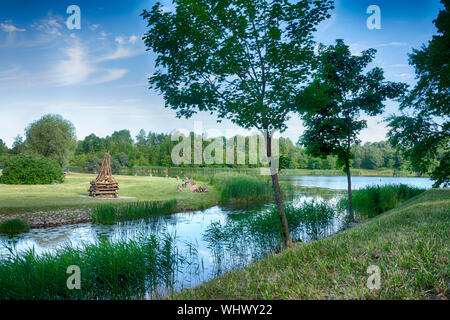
(14, 226)
(30, 169)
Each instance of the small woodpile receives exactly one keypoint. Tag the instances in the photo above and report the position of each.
(105, 186)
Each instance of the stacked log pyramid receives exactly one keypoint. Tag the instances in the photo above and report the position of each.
(105, 186)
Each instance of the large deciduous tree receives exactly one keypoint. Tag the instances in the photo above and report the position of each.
(424, 134)
(52, 137)
(332, 105)
(244, 60)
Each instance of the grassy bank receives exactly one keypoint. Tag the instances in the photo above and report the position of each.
(15, 199)
(409, 244)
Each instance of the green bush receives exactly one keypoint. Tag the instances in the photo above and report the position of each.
(14, 226)
(30, 169)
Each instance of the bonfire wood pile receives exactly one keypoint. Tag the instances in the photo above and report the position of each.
(105, 186)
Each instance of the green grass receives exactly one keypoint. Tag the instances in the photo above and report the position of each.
(119, 270)
(111, 213)
(14, 226)
(245, 188)
(16, 199)
(410, 245)
(373, 200)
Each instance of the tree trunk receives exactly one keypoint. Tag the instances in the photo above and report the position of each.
(351, 217)
(285, 234)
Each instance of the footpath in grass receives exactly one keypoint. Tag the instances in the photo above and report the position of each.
(409, 244)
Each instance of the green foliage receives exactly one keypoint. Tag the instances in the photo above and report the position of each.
(52, 137)
(118, 270)
(111, 213)
(30, 169)
(3, 148)
(373, 200)
(14, 226)
(331, 106)
(424, 134)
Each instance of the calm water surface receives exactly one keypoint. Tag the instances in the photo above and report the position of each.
(189, 227)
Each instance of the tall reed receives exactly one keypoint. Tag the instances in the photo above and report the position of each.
(245, 188)
(144, 267)
(245, 237)
(373, 200)
(111, 213)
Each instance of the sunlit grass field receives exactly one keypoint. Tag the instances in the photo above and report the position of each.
(29, 198)
(410, 245)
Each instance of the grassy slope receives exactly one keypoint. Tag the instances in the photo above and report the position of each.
(15, 199)
(410, 244)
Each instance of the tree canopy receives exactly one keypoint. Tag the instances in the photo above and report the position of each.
(342, 90)
(422, 131)
(52, 137)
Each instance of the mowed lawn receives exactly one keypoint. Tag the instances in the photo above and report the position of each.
(29, 198)
(410, 245)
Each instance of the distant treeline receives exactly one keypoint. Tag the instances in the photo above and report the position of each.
(154, 149)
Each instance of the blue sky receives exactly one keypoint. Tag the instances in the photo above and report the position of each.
(96, 77)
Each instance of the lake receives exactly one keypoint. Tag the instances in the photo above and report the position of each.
(190, 227)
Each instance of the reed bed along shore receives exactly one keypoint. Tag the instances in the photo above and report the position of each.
(373, 200)
(112, 213)
(145, 267)
(243, 238)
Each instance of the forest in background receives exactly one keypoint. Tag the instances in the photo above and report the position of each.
(154, 149)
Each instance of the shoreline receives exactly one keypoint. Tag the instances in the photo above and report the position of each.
(57, 218)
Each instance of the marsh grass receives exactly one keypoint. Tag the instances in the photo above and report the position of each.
(247, 237)
(373, 200)
(144, 267)
(246, 188)
(14, 226)
(112, 213)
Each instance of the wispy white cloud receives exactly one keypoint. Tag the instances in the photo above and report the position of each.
(94, 27)
(51, 25)
(125, 49)
(393, 44)
(6, 27)
(405, 75)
